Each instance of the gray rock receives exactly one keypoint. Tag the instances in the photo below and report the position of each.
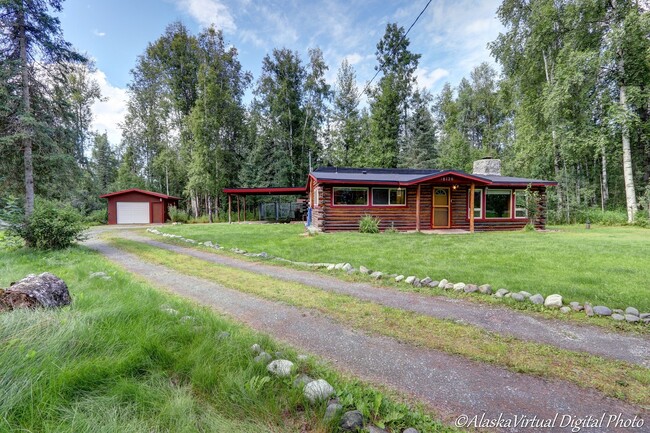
(501, 293)
(631, 318)
(256, 348)
(471, 288)
(410, 280)
(518, 297)
(351, 271)
(170, 311)
(618, 311)
(644, 316)
(44, 290)
(333, 409)
(434, 283)
(410, 430)
(449, 286)
(331, 267)
(618, 317)
(377, 275)
(442, 283)
(507, 295)
(264, 255)
(399, 278)
(208, 244)
(525, 294)
(338, 266)
(486, 289)
(576, 306)
(646, 320)
(374, 429)
(263, 358)
(351, 421)
(589, 310)
(364, 270)
(537, 299)
(302, 380)
(553, 301)
(302, 358)
(602, 310)
(223, 335)
(187, 319)
(425, 281)
(280, 367)
(631, 310)
(565, 310)
(347, 267)
(417, 283)
(318, 390)
(459, 286)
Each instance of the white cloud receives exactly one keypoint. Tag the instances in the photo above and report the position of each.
(209, 12)
(428, 79)
(98, 33)
(110, 112)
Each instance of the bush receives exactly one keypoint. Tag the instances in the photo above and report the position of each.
(177, 215)
(203, 219)
(369, 224)
(99, 216)
(52, 226)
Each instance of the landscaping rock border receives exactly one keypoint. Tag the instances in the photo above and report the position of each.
(551, 302)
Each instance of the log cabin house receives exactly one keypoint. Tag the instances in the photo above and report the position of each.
(418, 199)
(410, 199)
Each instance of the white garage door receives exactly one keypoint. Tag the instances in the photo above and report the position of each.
(132, 213)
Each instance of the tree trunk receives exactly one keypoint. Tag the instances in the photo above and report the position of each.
(628, 176)
(604, 188)
(27, 111)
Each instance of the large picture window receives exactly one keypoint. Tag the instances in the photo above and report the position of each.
(521, 210)
(388, 196)
(478, 204)
(347, 196)
(497, 203)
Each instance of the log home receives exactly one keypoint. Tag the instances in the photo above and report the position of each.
(410, 199)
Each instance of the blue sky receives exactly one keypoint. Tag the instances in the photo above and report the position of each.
(451, 36)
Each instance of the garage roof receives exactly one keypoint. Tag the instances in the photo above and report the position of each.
(141, 191)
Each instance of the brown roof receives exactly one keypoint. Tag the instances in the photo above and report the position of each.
(141, 191)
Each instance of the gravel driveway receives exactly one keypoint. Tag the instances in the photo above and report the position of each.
(450, 385)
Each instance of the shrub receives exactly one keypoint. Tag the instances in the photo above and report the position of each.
(99, 216)
(52, 226)
(369, 224)
(200, 219)
(177, 215)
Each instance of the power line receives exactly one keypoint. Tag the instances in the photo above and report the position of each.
(401, 40)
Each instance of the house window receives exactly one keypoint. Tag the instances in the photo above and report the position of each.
(478, 203)
(521, 210)
(388, 196)
(497, 203)
(346, 196)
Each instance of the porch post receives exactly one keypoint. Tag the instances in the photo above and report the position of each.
(417, 209)
(229, 209)
(471, 208)
(238, 210)
(244, 208)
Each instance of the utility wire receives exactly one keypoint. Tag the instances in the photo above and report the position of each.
(365, 89)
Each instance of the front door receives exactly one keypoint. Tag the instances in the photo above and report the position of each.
(441, 211)
(157, 212)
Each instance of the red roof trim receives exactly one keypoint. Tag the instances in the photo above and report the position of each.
(141, 191)
(270, 191)
(450, 173)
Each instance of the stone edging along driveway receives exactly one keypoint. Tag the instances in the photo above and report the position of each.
(451, 385)
(502, 320)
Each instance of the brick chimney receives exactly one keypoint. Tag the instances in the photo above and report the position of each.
(487, 166)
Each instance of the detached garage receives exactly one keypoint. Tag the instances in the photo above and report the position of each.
(136, 206)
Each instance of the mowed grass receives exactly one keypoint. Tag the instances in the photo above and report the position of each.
(614, 378)
(605, 265)
(115, 362)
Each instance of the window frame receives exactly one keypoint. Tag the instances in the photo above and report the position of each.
(359, 188)
(480, 204)
(510, 204)
(525, 208)
(372, 201)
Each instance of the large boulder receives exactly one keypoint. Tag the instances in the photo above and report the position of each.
(317, 390)
(44, 290)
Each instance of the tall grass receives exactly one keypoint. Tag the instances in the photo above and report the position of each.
(115, 361)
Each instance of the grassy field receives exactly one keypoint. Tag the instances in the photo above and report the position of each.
(604, 265)
(114, 361)
(614, 378)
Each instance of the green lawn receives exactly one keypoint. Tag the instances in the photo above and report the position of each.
(115, 362)
(604, 265)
